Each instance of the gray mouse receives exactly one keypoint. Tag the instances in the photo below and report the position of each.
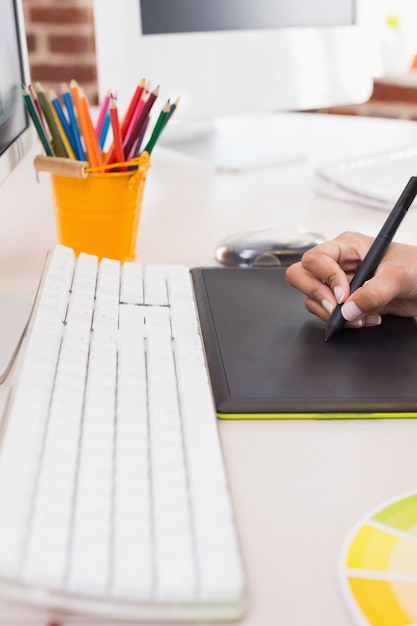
(276, 246)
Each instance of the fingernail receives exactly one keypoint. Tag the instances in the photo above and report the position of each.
(327, 306)
(372, 320)
(356, 324)
(351, 312)
(338, 294)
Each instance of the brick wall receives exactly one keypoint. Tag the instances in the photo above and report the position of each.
(61, 43)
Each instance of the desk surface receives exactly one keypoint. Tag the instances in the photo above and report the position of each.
(297, 486)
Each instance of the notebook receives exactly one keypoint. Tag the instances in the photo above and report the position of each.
(268, 359)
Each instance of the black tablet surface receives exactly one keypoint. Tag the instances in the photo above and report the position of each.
(268, 359)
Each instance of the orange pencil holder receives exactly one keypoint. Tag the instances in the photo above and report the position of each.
(97, 210)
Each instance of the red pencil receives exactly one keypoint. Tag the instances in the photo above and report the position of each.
(132, 107)
(128, 120)
(117, 133)
(133, 135)
(37, 104)
(137, 112)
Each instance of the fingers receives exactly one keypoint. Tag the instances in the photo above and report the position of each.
(393, 289)
(320, 299)
(335, 262)
(325, 271)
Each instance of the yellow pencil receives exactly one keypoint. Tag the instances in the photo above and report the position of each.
(63, 134)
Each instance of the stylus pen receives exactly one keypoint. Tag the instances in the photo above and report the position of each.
(376, 252)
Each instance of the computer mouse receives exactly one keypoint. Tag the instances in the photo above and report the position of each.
(279, 245)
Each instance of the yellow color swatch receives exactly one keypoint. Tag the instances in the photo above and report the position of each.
(379, 565)
(379, 602)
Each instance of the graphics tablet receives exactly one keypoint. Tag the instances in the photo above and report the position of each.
(268, 359)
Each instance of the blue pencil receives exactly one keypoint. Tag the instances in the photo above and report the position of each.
(104, 130)
(79, 150)
(64, 122)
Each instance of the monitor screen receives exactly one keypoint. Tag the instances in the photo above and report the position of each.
(231, 58)
(16, 138)
(253, 57)
(189, 16)
(16, 134)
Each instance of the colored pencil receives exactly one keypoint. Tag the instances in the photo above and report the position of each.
(102, 115)
(50, 120)
(105, 129)
(132, 107)
(137, 148)
(134, 119)
(78, 108)
(160, 122)
(133, 135)
(78, 147)
(67, 134)
(137, 112)
(117, 133)
(34, 115)
(36, 102)
(91, 140)
(61, 131)
(86, 126)
(172, 110)
(111, 155)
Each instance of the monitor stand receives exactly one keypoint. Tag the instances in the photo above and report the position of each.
(14, 315)
(209, 143)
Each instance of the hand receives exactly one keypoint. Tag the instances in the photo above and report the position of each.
(325, 272)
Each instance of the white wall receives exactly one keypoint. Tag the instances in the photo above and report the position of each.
(372, 15)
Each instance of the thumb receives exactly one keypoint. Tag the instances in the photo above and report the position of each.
(370, 299)
(356, 317)
(351, 312)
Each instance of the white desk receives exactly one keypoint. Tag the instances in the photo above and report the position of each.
(297, 486)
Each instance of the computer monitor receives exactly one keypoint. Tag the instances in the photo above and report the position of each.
(235, 57)
(16, 138)
(16, 134)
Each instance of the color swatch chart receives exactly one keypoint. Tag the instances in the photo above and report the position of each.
(379, 565)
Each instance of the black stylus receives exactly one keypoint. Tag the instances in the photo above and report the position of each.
(376, 252)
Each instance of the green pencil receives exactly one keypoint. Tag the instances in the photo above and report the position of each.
(160, 122)
(47, 111)
(172, 110)
(34, 115)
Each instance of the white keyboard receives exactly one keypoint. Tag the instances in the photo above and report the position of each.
(113, 494)
(376, 180)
